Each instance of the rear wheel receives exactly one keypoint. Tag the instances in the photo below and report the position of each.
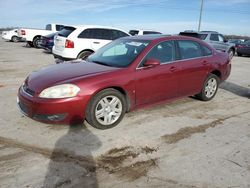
(106, 109)
(37, 42)
(84, 55)
(209, 89)
(14, 39)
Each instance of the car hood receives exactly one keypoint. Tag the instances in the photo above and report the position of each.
(58, 73)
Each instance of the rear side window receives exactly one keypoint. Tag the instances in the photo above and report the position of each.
(150, 32)
(48, 27)
(117, 34)
(104, 34)
(133, 32)
(206, 51)
(59, 27)
(66, 31)
(189, 49)
(214, 37)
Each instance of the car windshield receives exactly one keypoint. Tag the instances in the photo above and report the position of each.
(119, 53)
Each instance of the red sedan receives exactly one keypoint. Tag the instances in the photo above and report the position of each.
(128, 73)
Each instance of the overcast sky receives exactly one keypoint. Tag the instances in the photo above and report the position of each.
(167, 16)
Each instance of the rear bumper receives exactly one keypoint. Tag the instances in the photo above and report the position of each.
(56, 111)
(60, 58)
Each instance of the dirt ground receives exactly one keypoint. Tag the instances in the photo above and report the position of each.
(186, 143)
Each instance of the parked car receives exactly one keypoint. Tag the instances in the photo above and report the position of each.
(217, 40)
(78, 42)
(33, 36)
(11, 35)
(128, 73)
(142, 32)
(48, 42)
(244, 48)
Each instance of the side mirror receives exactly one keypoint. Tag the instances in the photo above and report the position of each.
(225, 40)
(152, 63)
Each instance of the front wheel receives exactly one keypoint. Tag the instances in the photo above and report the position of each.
(14, 39)
(231, 53)
(106, 109)
(209, 89)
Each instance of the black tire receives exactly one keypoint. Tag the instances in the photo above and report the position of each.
(84, 55)
(203, 95)
(231, 53)
(239, 54)
(94, 104)
(14, 39)
(36, 42)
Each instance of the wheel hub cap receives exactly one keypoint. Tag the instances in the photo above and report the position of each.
(108, 110)
(211, 87)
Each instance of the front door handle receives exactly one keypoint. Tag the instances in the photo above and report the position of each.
(173, 69)
(205, 63)
(96, 42)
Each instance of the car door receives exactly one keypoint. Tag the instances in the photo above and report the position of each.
(194, 67)
(100, 37)
(161, 82)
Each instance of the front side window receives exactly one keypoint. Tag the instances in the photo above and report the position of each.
(118, 34)
(189, 49)
(214, 37)
(119, 53)
(202, 36)
(164, 52)
(221, 38)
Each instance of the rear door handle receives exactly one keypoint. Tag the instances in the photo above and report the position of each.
(173, 69)
(96, 42)
(204, 63)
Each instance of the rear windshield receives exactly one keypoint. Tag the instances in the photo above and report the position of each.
(66, 31)
(133, 32)
(194, 34)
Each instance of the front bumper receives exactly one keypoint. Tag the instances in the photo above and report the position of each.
(56, 111)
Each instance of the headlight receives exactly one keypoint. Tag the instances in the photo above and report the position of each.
(60, 91)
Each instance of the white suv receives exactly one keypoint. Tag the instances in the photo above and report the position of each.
(78, 42)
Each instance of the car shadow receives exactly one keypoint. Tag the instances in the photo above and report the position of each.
(236, 89)
(71, 162)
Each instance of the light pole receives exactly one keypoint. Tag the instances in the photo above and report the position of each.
(201, 10)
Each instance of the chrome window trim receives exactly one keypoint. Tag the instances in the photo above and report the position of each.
(170, 62)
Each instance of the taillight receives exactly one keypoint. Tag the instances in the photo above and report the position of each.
(23, 32)
(69, 44)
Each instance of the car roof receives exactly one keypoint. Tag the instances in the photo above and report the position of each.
(92, 26)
